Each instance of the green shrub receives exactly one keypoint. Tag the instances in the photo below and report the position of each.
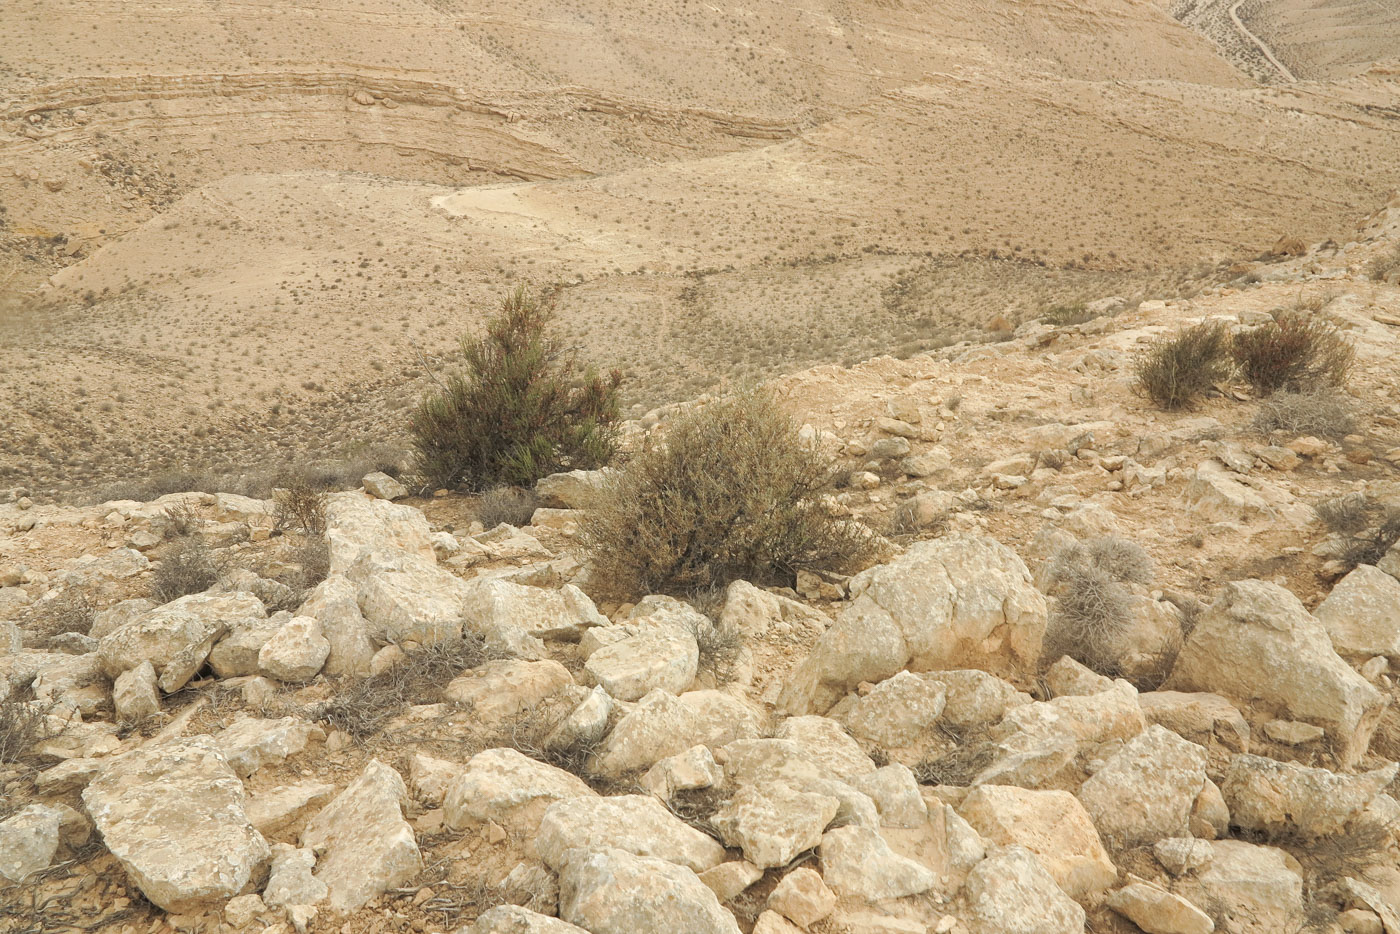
(1295, 352)
(521, 410)
(731, 493)
(1174, 371)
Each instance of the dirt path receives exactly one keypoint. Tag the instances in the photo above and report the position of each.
(1259, 43)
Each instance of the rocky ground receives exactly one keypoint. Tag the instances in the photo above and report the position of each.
(454, 730)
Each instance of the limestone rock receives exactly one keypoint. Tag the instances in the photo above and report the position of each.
(497, 609)
(1258, 645)
(1271, 796)
(1182, 855)
(574, 489)
(856, 861)
(334, 603)
(173, 816)
(1250, 889)
(382, 486)
(611, 891)
(356, 522)
(1010, 892)
(772, 822)
(28, 841)
(278, 808)
(662, 725)
(511, 919)
(1145, 790)
(975, 699)
(118, 615)
(636, 823)
(694, 768)
(896, 794)
(955, 602)
(754, 612)
(134, 694)
(236, 654)
(160, 635)
(1158, 911)
(729, 879)
(429, 778)
(407, 597)
(1362, 613)
(1207, 720)
(505, 688)
(509, 788)
(250, 743)
(663, 658)
(802, 897)
(1068, 677)
(826, 743)
(770, 922)
(585, 725)
(1051, 824)
(291, 881)
(897, 712)
(1035, 743)
(1216, 495)
(295, 652)
(363, 844)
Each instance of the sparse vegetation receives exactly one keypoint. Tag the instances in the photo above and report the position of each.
(301, 503)
(188, 566)
(1323, 412)
(1175, 371)
(69, 611)
(1297, 351)
(1367, 527)
(1382, 268)
(509, 504)
(1094, 607)
(958, 767)
(521, 410)
(21, 726)
(730, 493)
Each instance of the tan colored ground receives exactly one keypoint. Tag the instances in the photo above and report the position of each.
(230, 231)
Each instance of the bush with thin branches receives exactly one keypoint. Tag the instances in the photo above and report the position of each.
(1175, 371)
(1323, 412)
(731, 493)
(1367, 528)
(1094, 608)
(521, 410)
(300, 500)
(189, 566)
(1296, 351)
(508, 504)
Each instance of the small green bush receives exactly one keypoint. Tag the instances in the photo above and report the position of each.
(1297, 352)
(521, 411)
(1175, 371)
(731, 493)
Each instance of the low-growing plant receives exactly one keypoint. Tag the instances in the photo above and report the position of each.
(21, 726)
(188, 566)
(732, 492)
(1295, 351)
(1323, 412)
(1175, 371)
(509, 504)
(300, 501)
(521, 411)
(1093, 607)
(69, 611)
(1368, 528)
(1383, 267)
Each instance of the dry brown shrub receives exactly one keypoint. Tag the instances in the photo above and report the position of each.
(1295, 352)
(1175, 371)
(1323, 412)
(300, 503)
(509, 504)
(188, 566)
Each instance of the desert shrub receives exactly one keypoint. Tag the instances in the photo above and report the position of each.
(1093, 607)
(720, 649)
(188, 566)
(1296, 352)
(958, 767)
(364, 707)
(1384, 266)
(1368, 528)
(300, 501)
(521, 410)
(1322, 412)
(509, 504)
(21, 726)
(732, 492)
(1064, 315)
(1174, 371)
(69, 611)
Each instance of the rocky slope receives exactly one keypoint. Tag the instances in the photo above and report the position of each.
(900, 751)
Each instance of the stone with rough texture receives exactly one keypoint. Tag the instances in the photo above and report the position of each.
(134, 694)
(406, 597)
(770, 922)
(585, 725)
(1250, 889)
(662, 725)
(160, 635)
(250, 743)
(279, 808)
(295, 652)
(1158, 911)
(1146, 789)
(826, 743)
(856, 861)
(505, 688)
(729, 879)
(291, 881)
(955, 602)
(1051, 824)
(363, 844)
(753, 612)
(173, 814)
(382, 486)
(772, 822)
(897, 712)
(802, 897)
(975, 698)
(334, 603)
(636, 823)
(509, 788)
(1204, 719)
(656, 658)
(573, 489)
(1362, 613)
(896, 794)
(610, 891)
(512, 919)
(1271, 796)
(356, 522)
(28, 841)
(1067, 677)
(1181, 855)
(694, 768)
(496, 609)
(1257, 645)
(236, 654)
(1010, 892)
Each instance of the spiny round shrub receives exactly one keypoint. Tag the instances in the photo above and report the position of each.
(1295, 352)
(1094, 608)
(520, 411)
(508, 504)
(731, 493)
(1175, 371)
(1323, 412)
